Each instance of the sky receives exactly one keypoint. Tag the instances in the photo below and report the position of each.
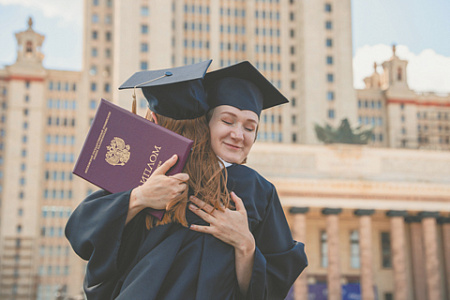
(419, 28)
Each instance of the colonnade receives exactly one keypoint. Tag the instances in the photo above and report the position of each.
(422, 253)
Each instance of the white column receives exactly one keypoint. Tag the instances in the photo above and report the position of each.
(334, 265)
(299, 234)
(365, 244)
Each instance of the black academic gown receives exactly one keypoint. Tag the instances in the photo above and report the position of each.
(174, 262)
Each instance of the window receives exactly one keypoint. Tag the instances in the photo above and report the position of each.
(331, 113)
(354, 249)
(93, 86)
(323, 249)
(27, 84)
(94, 52)
(144, 28)
(93, 70)
(329, 43)
(144, 11)
(94, 35)
(144, 47)
(293, 101)
(93, 104)
(107, 88)
(94, 18)
(386, 255)
(329, 60)
(328, 25)
(327, 7)
(330, 95)
(144, 65)
(330, 77)
(108, 36)
(388, 296)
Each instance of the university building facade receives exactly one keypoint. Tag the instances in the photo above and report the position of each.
(335, 197)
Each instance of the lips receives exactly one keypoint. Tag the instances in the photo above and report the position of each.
(231, 146)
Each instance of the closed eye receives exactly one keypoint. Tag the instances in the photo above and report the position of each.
(226, 122)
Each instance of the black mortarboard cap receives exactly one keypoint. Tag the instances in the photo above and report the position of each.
(242, 86)
(177, 93)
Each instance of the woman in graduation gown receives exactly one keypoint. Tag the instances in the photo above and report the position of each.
(173, 261)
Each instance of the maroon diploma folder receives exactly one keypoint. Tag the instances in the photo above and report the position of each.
(122, 149)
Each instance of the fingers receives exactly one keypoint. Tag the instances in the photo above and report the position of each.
(162, 170)
(202, 214)
(181, 177)
(199, 228)
(202, 205)
(238, 202)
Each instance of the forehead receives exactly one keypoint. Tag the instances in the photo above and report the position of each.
(246, 115)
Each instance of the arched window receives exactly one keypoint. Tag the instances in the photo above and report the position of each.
(29, 47)
(399, 74)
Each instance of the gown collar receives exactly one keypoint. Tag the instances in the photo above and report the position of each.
(227, 164)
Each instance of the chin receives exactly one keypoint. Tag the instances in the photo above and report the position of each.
(232, 160)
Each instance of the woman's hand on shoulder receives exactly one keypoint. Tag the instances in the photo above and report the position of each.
(159, 188)
(229, 226)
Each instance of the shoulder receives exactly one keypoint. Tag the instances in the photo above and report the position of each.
(249, 176)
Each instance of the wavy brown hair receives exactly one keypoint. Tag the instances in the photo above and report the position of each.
(207, 179)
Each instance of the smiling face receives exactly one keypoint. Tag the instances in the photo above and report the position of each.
(233, 132)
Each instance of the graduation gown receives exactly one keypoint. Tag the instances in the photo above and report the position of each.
(174, 262)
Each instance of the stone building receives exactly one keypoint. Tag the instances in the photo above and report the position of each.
(375, 222)
(401, 117)
(303, 47)
(37, 153)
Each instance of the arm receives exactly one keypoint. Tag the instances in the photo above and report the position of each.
(97, 228)
(279, 259)
(232, 228)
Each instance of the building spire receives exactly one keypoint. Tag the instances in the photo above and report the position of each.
(393, 49)
(374, 67)
(30, 23)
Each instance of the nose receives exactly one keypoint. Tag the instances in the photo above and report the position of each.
(237, 133)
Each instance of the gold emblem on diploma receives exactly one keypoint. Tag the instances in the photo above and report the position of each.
(118, 152)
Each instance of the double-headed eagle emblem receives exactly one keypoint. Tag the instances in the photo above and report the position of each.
(118, 152)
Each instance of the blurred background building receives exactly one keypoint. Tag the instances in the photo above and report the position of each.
(373, 219)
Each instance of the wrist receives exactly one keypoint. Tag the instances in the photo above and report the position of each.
(136, 199)
(247, 247)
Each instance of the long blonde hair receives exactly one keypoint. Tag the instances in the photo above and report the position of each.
(207, 179)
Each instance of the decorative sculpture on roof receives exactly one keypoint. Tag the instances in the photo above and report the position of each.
(344, 134)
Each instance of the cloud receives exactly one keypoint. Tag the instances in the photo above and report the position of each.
(69, 11)
(427, 71)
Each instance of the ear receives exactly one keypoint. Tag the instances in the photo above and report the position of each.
(154, 117)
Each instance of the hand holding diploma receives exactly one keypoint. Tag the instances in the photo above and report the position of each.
(158, 190)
